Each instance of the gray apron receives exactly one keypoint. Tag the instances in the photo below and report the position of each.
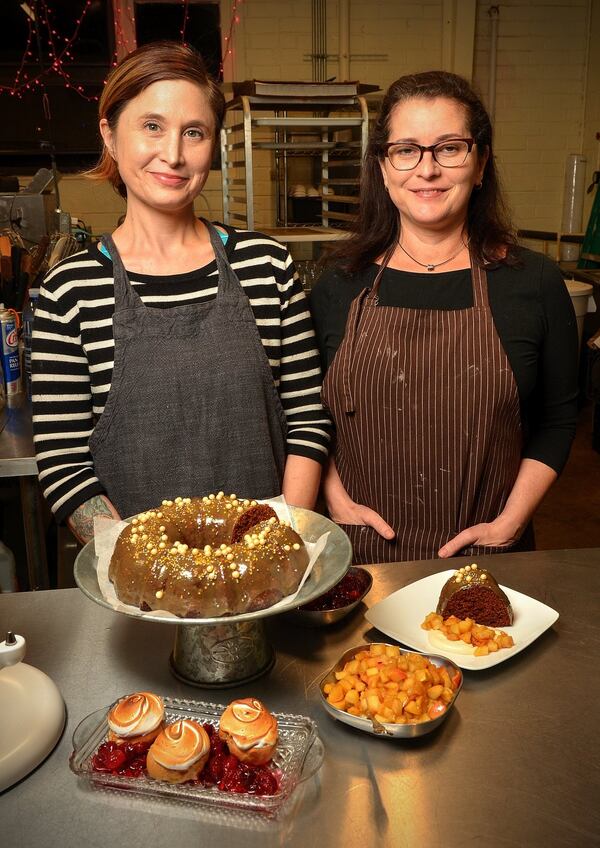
(192, 407)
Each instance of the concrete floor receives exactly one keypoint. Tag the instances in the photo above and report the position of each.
(570, 515)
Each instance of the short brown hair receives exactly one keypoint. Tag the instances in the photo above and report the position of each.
(160, 60)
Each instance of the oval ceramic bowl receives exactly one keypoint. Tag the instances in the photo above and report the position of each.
(321, 618)
(374, 727)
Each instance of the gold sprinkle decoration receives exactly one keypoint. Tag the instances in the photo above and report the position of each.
(165, 502)
(153, 551)
(162, 528)
(296, 546)
(211, 497)
(235, 574)
(159, 515)
(159, 594)
(246, 502)
(484, 576)
(207, 550)
(233, 497)
(134, 537)
(286, 548)
(195, 551)
(223, 546)
(164, 537)
(233, 566)
(173, 551)
(144, 536)
(205, 499)
(239, 509)
(468, 578)
(210, 568)
(162, 545)
(229, 557)
(178, 500)
(272, 520)
(149, 545)
(253, 503)
(135, 521)
(227, 506)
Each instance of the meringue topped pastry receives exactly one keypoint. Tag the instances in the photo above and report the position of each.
(179, 753)
(249, 730)
(136, 718)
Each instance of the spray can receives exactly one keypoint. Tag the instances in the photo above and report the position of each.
(9, 341)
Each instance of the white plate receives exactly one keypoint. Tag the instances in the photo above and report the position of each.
(401, 614)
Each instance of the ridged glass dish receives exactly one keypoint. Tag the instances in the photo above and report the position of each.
(298, 757)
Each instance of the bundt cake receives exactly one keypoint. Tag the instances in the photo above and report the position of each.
(207, 557)
(473, 592)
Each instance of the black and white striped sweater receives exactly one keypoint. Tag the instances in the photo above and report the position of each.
(73, 353)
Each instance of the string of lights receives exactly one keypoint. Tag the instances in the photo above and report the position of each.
(60, 56)
(228, 42)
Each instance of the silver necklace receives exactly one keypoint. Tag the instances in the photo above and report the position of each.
(429, 265)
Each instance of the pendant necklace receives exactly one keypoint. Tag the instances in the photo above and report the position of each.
(429, 265)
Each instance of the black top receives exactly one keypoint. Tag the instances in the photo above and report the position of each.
(533, 315)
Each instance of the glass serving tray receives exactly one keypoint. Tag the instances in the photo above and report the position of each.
(298, 757)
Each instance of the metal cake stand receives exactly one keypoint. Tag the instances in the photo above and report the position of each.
(232, 650)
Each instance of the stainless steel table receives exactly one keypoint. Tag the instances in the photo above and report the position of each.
(515, 764)
(17, 459)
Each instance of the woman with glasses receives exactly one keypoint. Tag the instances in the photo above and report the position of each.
(451, 352)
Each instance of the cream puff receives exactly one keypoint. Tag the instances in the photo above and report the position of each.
(138, 718)
(179, 753)
(249, 730)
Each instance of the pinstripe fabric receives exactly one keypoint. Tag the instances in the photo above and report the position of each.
(428, 429)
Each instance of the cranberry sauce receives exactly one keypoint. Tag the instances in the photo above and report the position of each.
(349, 590)
(222, 769)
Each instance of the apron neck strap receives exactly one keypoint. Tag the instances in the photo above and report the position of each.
(373, 294)
(480, 288)
(125, 295)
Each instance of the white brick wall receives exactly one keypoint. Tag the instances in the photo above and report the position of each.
(548, 87)
(539, 99)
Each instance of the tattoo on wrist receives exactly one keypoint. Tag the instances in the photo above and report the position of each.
(82, 520)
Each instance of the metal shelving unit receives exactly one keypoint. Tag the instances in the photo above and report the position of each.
(332, 132)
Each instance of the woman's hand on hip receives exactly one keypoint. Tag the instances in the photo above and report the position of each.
(355, 513)
(496, 534)
(343, 510)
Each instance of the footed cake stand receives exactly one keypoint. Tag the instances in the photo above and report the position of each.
(231, 650)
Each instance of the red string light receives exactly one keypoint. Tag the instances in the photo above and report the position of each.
(58, 58)
(228, 41)
(185, 20)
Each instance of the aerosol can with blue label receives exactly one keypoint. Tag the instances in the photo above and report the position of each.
(9, 339)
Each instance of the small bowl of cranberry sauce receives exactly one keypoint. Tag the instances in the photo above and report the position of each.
(336, 603)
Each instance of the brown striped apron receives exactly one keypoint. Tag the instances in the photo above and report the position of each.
(428, 427)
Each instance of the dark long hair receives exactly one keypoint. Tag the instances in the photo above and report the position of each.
(491, 236)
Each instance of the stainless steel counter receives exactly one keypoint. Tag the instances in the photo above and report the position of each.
(515, 764)
(17, 459)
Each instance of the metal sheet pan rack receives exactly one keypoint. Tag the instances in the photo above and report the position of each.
(331, 133)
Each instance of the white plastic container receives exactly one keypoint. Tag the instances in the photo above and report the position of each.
(580, 297)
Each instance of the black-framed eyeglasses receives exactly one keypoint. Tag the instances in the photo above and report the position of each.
(450, 153)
